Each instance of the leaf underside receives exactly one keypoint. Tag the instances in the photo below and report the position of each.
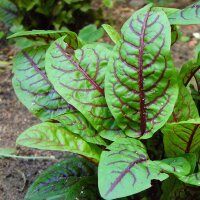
(33, 87)
(182, 137)
(141, 75)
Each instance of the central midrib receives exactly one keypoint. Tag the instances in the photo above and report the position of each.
(81, 70)
(140, 72)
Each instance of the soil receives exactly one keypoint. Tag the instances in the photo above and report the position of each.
(16, 175)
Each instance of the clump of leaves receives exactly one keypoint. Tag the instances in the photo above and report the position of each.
(105, 103)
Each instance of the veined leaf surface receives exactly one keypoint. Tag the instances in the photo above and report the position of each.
(193, 179)
(79, 79)
(126, 169)
(32, 86)
(60, 180)
(112, 135)
(188, 70)
(76, 123)
(189, 15)
(141, 74)
(185, 107)
(8, 12)
(182, 137)
(45, 35)
(51, 136)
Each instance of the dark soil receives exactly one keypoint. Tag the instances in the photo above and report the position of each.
(16, 175)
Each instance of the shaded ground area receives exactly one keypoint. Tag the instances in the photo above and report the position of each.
(17, 174)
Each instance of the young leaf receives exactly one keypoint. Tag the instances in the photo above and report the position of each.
(69, 179)
(185, 107)
(90, 33)
(32, 86)
(51, 136)
(79, 79)
(182, 137)
(189, 15)
(76, 123)
(126, 169)
(45, 35)
(113, 34)
(141, 75)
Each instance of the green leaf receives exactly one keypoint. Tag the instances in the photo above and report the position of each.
(7, 151)
(76, 123)
(188, 70)
(188, 15)
(141, 75)
(45, 35)
(193, 179)
(175, 34)
(108, 3)
(185, 107)
(126, 169)
(8, 12)
(51, 136)
(112, 135)
(178, 166)
(182, 137)
(79, 79)
(32, 86)
(113, 34)
(69, 179)
(90, 33)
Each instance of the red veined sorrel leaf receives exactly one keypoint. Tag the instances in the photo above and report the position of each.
(70, 179)
(79, 79)
(182, 137)
(141, 81)
(32, 86)
(52, 136)
(189, 15)
(185, 107)
(76, 123)
(47, 36)
(126, 169)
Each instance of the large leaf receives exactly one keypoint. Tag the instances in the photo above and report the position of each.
(51, 136)
(79, 79)
(76, 123)
(189, 15)
(8, 12)
(182, 137)
(185, 107)
(33, 87)
(126, 169)
(141, 75)
(74, 178)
